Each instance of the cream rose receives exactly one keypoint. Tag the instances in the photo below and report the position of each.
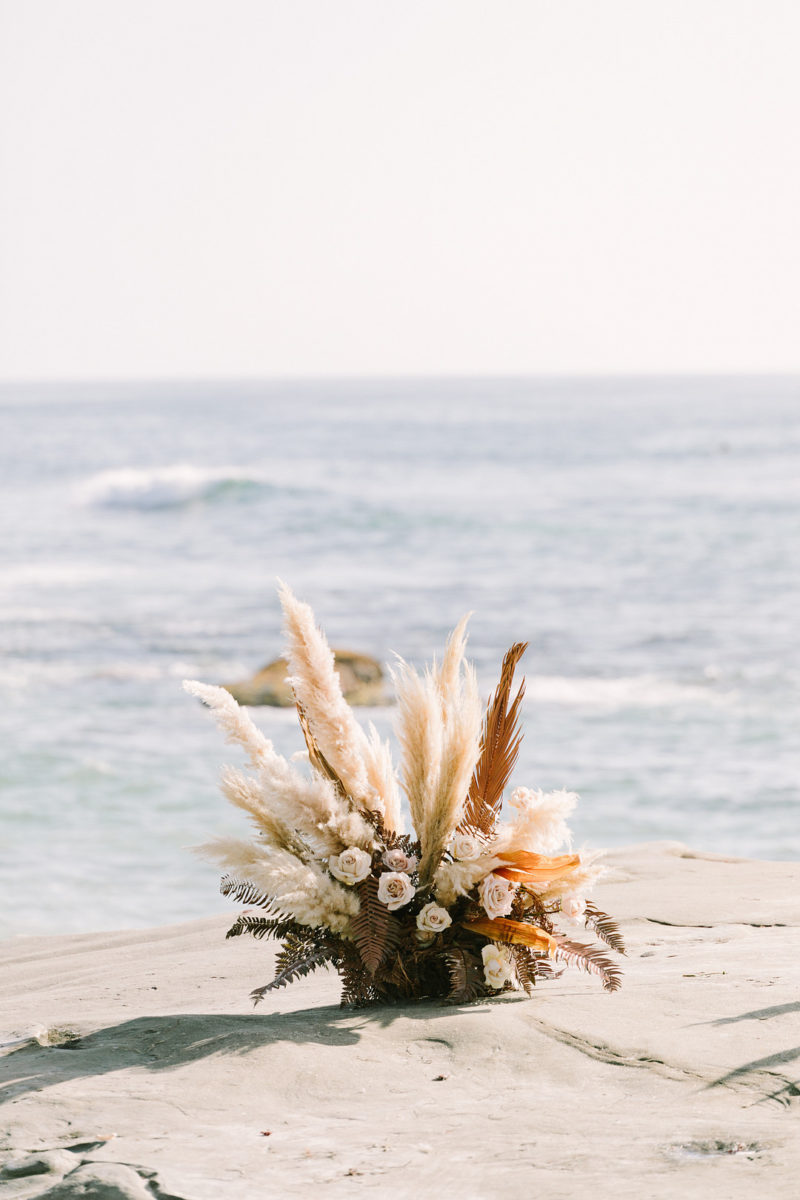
(573, 906)
(466, 847)
(395, 889)
(398, 860)
(497, 895)
(524, 799)
(351, 866)
(433, 918)
(496, 966)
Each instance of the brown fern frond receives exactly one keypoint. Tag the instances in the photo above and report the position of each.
(605, 927)
(589, 958)
(296, 969)
(524, 967)
(259, 927)
(390, 838)
(376, 932)
(499, 750)
(358, 988)
(546, 968)
(466, 976)
(245, 892)
(529, 906)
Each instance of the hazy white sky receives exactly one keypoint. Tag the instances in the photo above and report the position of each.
(253, 187)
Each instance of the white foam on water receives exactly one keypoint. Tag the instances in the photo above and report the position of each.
(635, 691)
(161, 487)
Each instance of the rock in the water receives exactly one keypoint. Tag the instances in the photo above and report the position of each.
(360, 675)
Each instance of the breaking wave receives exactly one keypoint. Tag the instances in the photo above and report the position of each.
(166, 487)
(635, 691)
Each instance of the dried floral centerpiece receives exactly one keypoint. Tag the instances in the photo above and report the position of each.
(464, 906)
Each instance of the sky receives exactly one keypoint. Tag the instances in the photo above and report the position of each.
(250, 188)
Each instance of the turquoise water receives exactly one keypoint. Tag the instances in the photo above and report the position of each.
(642, 535)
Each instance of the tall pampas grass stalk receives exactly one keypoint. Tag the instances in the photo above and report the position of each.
(281, 795)
(420, 731)
(460, 741)
(318, 691)
(464, 906)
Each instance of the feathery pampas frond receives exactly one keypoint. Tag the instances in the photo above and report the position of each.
(420, 732)
(318, 691)
(461, 908)
(460, 741)
(304, 891)
(232, 720)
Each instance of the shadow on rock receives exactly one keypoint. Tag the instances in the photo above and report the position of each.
(161, 1043)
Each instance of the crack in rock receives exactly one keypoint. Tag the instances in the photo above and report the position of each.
(762, 1082)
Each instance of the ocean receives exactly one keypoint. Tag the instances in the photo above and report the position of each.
(640, 534)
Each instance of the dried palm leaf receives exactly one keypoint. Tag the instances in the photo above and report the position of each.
(522, 866)
(499, 750)
(315, 756)
(501, 929)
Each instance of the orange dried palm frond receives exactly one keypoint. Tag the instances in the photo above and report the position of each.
(501, 929)
(522, 866)
(500, 744)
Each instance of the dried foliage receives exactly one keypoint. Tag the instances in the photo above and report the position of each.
(244, 892)
(259, 927)
(462, 908)
(590, 958)
(374, 930)
(605, 927)
(500, 742)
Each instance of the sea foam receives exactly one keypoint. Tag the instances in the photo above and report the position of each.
(164, 487)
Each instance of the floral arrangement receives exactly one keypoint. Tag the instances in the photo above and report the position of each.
(463, 907)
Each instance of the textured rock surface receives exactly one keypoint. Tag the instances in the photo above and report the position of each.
(686, 1083)
(361, 679)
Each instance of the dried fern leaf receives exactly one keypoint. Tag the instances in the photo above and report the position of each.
(524, 967)
(605, 927)
(245, 892)
(259, 927)
(358, 988)
(499, 750)
(501, 929)
(375, 931)
(589, 958)
(466, 977)
(295, 970)
(522, 866)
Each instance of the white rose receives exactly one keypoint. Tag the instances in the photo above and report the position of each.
(573, 906)
(496, 966)
(351, 866)
(497, 895)
(466, 847)
(433, 918)
(398, 860)
(523, 799)
(395, 889)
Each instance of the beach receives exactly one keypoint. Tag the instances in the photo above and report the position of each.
(170, 1085)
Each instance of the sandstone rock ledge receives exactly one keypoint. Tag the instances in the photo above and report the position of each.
(361, 679)
(167, 1084)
